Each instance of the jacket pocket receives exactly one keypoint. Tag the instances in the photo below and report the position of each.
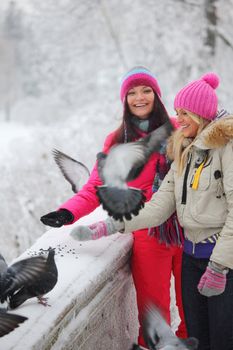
(208, 206)
(209, 211)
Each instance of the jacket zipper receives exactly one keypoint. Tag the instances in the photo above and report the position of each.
(184, 189)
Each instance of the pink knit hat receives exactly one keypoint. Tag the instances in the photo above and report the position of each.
(199, 96)
(138, 76)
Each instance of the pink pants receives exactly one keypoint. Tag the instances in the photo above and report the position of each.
(152, 264)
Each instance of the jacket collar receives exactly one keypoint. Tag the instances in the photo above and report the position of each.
(217, 134)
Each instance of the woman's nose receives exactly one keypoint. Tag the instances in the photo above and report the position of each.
(139, 96)
(179, 118)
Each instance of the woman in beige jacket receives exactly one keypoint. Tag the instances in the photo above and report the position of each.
(199, 186)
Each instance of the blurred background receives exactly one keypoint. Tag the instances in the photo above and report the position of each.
(61, 64)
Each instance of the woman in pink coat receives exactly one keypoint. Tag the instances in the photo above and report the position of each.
(155, 255)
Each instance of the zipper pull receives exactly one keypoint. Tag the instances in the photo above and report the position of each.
(193, 252)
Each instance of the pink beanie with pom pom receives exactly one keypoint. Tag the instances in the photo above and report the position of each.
(199, 96)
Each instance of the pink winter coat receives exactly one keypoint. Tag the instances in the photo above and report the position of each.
(86, 200)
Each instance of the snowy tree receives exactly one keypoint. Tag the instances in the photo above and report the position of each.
(9, 62)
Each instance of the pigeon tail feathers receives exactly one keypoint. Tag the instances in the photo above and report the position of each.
(120, 203)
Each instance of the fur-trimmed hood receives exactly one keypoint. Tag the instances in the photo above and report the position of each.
(217, 134)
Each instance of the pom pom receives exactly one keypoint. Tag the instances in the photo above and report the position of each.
(212, 79)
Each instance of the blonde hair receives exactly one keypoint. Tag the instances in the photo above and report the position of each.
(182, 145)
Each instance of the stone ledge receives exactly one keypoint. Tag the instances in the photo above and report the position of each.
(89, 300)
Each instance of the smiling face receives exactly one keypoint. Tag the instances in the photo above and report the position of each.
(187, 124)
(140, 100)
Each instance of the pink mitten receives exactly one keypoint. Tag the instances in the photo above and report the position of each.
(213, 281)
(97, 230)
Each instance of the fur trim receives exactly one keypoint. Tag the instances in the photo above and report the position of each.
(218, 133)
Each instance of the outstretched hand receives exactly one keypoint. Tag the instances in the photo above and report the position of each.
(91, 232)
(97, 230)
(57, 218)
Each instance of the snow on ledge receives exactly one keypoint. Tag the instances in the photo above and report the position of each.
(88, 274)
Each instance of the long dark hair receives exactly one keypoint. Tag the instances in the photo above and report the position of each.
(128, 132)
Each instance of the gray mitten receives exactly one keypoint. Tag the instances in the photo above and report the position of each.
(97, 230)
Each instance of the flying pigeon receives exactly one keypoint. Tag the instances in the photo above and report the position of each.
(76, 173)
(8, 322)
(158, 334)
(19, 274)
(124, 163)
(38, 287)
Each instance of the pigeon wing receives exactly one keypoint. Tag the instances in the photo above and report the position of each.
(75, 172)
(3, 264)
(159, 335)
(8, 322)
(22, 273)
(101, 159)
(156, 138)
(3, 271)
(155, 328)
(125, 161)
(121, 161)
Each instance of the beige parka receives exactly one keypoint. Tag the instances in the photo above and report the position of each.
(208, 209)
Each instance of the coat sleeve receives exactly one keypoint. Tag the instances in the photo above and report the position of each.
(161, 206)
(223, 251)
(86, 200)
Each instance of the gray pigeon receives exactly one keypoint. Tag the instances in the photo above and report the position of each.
(8, 322)
(19, 274)
(76, 173)
(44, 283)
(123, 163)
(158, 334)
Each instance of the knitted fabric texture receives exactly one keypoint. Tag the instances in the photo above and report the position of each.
(138, 76)
(170, 232)
(212, 283)
(96, 230)
(199, 97)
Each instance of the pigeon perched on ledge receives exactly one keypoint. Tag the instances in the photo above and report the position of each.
(37, 287)
(19, 274)
(75, 172)
(123, 163)
(8, 322)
